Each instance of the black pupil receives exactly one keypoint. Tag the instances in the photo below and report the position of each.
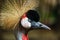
(33, 15)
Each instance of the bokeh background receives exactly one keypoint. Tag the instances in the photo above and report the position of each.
(49, 11)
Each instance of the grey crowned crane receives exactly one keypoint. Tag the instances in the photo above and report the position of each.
(21, 13)
(29, 21)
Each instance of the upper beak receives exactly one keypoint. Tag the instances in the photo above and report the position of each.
(36, 25)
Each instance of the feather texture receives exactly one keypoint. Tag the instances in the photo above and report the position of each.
(12, 10)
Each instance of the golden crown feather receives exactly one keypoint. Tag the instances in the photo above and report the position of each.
(12, 10)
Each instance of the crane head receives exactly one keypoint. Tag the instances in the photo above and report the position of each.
(31, 20)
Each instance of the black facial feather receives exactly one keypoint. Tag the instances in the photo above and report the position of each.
(33, 15)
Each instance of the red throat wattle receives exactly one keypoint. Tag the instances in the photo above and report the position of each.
(25, 37)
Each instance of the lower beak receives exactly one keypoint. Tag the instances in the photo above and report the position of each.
(38, 25)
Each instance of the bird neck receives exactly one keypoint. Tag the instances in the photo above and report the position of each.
(21, 35)
(24, 36)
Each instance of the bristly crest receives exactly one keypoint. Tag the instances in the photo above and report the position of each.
(12, 10)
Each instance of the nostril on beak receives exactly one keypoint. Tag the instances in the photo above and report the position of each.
(38, 25)
(41, 25)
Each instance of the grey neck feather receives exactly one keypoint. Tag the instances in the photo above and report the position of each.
(18, 34)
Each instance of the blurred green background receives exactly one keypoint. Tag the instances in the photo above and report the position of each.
(49, 11)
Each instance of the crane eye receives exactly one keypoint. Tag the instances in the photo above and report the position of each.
(33, 15)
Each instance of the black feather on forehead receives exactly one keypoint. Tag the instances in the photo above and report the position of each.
(33, 15)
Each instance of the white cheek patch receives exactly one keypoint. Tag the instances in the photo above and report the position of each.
(25, 23)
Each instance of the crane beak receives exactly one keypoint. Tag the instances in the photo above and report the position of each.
(38, 25)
